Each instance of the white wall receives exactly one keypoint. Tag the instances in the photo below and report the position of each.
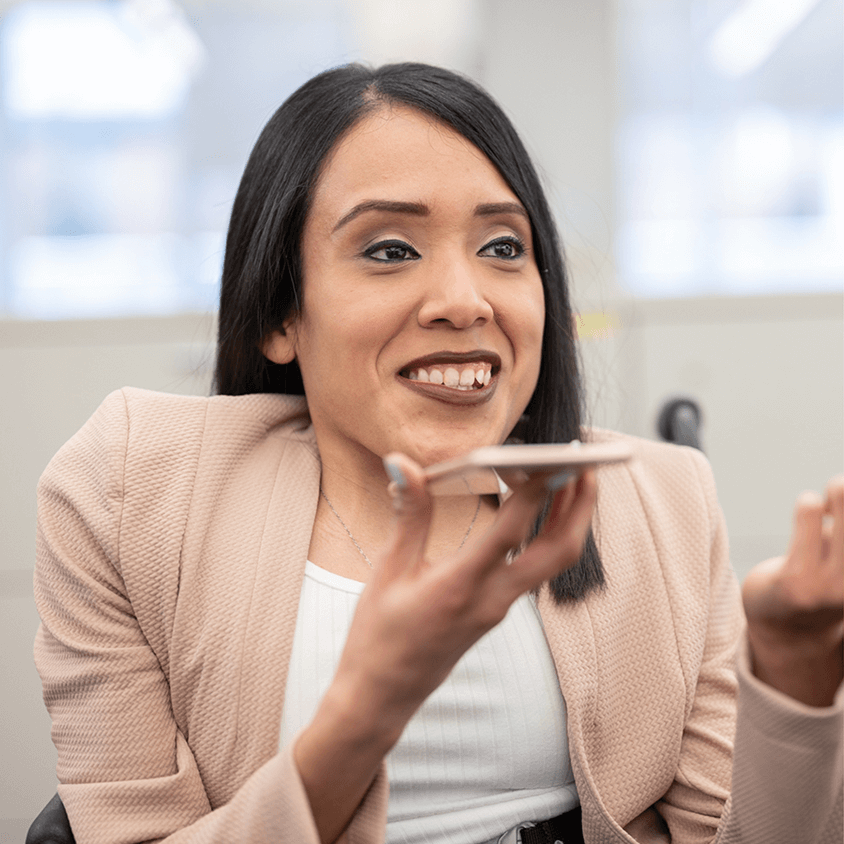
(551, 64)
(769, 374)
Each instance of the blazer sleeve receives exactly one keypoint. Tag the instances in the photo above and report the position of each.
(786, 782)
(126, 771)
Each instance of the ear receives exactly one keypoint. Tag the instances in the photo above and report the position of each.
(280, 346)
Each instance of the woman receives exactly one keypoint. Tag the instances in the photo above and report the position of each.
(216, 669)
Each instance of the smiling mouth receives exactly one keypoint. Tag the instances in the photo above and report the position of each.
(449, 375)
(464, 377)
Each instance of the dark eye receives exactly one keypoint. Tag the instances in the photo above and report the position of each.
(391, 251)
(506, 248)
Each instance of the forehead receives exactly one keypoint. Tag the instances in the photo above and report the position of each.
(400, 153)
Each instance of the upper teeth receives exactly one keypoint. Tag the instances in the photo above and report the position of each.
(467, 377)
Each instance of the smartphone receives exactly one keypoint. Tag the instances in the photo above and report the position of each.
(477, 473)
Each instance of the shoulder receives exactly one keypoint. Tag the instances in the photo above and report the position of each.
(662, 506)
(659, 470)
(158, 435)
(163, 414)
(153, 417)
(653, 454)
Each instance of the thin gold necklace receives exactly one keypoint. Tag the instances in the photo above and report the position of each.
(357, 544)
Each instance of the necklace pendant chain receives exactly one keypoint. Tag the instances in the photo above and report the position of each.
(345, 526)
(357, 544)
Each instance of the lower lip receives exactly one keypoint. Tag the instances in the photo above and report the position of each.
(448, 395)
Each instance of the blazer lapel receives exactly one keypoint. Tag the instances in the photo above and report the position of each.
(568, 630)
(278, 585)
(240, 591)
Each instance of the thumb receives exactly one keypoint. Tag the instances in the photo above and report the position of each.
(413, 509)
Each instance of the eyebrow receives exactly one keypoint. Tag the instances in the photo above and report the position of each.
(493, 209)
(419, 209)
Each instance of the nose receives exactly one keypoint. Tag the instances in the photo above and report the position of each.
(454, 297)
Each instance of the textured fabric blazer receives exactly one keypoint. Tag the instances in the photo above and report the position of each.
(173, 534)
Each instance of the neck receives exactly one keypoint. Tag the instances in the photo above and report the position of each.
(362, 515)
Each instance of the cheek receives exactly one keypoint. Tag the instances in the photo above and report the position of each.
(532, 323)
(347, 331)
(531, 329)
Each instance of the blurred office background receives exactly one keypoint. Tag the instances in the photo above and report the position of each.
(693, 151)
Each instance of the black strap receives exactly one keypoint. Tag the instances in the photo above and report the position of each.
(564, 829)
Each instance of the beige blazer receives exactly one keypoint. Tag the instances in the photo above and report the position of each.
(172, 539)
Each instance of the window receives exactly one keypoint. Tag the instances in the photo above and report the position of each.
(125, 125)
(731, 147)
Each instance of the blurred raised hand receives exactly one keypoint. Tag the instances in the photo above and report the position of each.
(795, 604)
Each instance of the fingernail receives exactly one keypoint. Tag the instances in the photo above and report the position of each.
(558, 481)
(396, 474)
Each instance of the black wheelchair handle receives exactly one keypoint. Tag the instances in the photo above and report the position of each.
(679, 421)
(51, 826)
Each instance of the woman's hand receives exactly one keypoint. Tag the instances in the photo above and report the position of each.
(414, 621)
(795, 604)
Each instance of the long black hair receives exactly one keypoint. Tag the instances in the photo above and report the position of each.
(262, 272)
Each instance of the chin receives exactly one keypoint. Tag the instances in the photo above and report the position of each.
(426, 452)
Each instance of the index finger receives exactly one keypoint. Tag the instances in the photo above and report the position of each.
(834, 506)
(413, 510)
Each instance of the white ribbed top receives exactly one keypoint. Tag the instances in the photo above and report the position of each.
(486, 751)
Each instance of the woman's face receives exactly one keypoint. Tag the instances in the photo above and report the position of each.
(422, 316)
